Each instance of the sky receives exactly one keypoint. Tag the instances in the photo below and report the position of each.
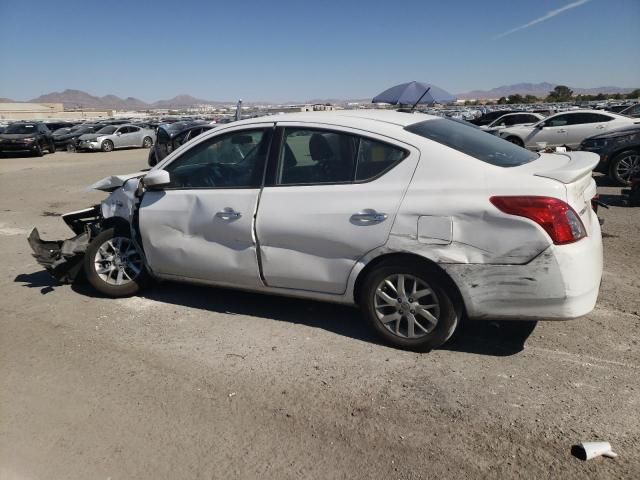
(281, 50)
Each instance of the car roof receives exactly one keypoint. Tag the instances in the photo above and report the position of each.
(347, 117)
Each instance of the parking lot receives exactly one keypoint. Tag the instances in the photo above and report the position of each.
(195, 382)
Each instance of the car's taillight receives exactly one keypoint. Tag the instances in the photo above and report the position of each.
(558, 219)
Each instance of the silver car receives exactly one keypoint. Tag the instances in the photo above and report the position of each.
(117, 136)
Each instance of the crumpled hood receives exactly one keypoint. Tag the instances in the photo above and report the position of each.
(618, 133)
(90, 136)
(113, 182)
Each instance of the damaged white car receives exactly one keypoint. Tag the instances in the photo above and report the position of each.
(416, 219)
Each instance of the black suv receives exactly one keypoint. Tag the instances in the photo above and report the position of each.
(171, 136)
(32, 137)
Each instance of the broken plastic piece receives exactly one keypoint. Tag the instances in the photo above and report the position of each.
(589, 450)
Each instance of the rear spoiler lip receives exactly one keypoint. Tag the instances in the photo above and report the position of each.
(579, 165)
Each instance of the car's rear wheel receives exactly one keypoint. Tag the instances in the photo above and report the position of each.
(71, 147)
(38, 151)
(409, 306)
(515, 141)
(147, 142)
(107, 146)
(625, 166)
(114, 265)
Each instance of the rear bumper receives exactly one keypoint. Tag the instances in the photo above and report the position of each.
(559, 284)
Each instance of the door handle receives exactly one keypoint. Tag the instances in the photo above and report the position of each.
(368, 217)
(562, 130)
(228, 214)
(599, 127)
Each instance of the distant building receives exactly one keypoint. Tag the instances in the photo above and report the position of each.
(43, 111)
(301, 108)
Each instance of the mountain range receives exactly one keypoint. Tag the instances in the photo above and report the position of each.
(79, 99)
(536, 89)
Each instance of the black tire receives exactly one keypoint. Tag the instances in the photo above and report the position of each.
(132, 286)
(619, 168)
(448, 316)
(38, 151)
(147, 142)
(152, 160)
(515, 141)
(107, 146)
(52, 147)
(71, 147)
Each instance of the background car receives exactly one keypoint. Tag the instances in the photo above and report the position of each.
(564, 129)
(172, 136)
(33, 137)
(632, 111)
(511, 119)
(619, 152)
(487, 118)
(53, 126)
(116, 136)
(67, 138)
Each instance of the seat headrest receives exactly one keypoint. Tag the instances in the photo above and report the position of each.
(319, 148)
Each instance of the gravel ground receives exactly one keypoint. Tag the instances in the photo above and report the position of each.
(194, 382)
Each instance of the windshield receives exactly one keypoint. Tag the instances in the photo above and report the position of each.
(62, 131)
(473, 142)
(107, 130)
(22, 128)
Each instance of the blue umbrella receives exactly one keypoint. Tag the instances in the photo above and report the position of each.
(414, 93)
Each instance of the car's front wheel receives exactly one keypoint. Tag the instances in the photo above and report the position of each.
(114, 265)
(409, 306)
(107, 146)
(625, 166)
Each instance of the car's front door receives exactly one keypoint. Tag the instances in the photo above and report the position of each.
(120, 137)
(200, 227)
(331, 196)
(553, 132)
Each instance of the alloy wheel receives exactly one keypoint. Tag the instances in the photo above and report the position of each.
(117, 261)
(628, 167)
(406, 306)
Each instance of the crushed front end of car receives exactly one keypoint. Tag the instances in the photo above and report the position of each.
(63, 259)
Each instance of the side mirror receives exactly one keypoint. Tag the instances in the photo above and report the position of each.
(540, 126)
(118, 133)
(157, 179)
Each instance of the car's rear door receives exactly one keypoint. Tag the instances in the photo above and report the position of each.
(134, 137)
(331, 196)
(200, 227)
(584, 125)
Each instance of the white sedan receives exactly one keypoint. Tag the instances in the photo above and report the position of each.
(566, 129)
(416, 219)
(512, 119)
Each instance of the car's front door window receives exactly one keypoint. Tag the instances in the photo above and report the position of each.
(233, 160)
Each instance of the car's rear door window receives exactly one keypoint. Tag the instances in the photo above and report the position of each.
(473, 142)
(318, 156)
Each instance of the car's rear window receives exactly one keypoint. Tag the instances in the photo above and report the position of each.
(473, 142)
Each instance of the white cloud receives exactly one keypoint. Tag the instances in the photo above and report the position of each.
(546, 16)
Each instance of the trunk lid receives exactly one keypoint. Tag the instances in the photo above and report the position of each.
(574, 170)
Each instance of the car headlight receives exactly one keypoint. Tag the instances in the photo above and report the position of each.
(620, 139)
(28, 140)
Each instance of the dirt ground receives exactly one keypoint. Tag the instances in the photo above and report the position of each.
(193, 382)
